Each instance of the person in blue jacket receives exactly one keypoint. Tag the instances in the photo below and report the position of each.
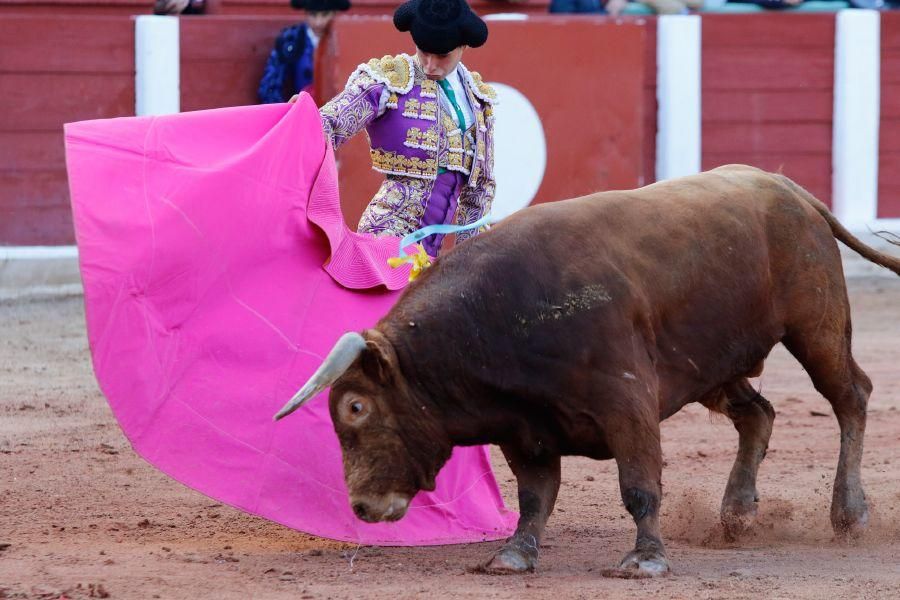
(289, 69)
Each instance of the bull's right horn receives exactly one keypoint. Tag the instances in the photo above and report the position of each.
(347, 349)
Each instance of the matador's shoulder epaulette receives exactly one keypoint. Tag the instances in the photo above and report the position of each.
(395, 72)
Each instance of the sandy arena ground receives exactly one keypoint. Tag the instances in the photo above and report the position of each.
(82, 516)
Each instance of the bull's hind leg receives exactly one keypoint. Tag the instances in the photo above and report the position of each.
(538, 479)
(824, 351)
(753, 417)
(634, 441)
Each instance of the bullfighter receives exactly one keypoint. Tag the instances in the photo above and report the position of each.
(430, 123)
(291, 63)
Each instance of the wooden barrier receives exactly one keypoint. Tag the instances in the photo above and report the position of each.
(889, 161)
(584, 76)
(651, 104)
(222, 59)
(239, 7)
(53, 70)
(767, 94)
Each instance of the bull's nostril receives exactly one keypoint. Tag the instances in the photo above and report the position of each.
(360, 509)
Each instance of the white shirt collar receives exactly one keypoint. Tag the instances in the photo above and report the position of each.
(313, 38)
(454, 78)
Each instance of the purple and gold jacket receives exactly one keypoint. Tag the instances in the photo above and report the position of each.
(411, 135)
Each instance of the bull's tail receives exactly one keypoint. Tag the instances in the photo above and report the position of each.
(840, 232)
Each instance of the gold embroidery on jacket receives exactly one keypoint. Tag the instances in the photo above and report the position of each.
(395, 70)
(429, 88)
(392, 163)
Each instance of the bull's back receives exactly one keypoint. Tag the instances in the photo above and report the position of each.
(700, 238)
(697, 271)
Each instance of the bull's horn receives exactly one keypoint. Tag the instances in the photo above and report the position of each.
(347, 349)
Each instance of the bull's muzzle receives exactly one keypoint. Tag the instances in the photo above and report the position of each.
(374, 509)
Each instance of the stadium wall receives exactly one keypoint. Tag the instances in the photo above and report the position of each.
(53, 70)
(889, 155)
(767, 95)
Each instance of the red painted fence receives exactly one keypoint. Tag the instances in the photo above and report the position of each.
(53, 70)
(593, 124)
(889, 137)
(767, 93)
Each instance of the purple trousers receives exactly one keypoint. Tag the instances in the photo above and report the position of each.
(441, 207)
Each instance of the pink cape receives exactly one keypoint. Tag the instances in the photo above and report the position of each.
(202, 239)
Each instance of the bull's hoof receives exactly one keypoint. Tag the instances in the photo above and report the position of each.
(849, 512)
(640, 565)
(850, 525)
(737, 519)
(508, 561)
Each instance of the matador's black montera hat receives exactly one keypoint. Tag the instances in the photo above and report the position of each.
(439, 26)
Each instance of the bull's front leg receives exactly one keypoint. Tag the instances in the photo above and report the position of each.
(634, 439)
(538, 480)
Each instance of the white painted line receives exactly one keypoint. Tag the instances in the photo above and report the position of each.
(37, 252)
(39, 292)
(156, 65)
(506, 17)
(857, 103)
(678, 92)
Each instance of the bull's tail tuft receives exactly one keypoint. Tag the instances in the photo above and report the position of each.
(890, 238)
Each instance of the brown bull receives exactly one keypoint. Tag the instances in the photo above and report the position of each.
(574, 328)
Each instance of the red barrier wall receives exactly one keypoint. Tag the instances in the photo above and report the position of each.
(381, 7)
(44, 86)
(55, 8)
(767, 85)
(767, 95)
(222, 59)
(584, 76)
(651, 105)
(239, 7)
(889, 163)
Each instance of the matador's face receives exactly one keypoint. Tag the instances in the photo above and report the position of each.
(438, 66)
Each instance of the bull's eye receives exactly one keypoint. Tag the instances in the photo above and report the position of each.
(354, 410)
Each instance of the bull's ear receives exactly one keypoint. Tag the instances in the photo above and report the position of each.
(379, 361)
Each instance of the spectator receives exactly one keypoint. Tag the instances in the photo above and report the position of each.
(672, 7)
(770, 3)
(612, 7)
(179, 7)
(289, 69)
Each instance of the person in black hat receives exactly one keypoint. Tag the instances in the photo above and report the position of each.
(289, 69)
(430, 123)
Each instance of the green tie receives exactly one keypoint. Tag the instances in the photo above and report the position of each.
(445, 85)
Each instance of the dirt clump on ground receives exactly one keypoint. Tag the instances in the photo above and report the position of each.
(82, 516)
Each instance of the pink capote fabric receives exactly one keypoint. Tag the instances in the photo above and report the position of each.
(202, 238)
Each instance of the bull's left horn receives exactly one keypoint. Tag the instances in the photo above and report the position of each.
(347, 349)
